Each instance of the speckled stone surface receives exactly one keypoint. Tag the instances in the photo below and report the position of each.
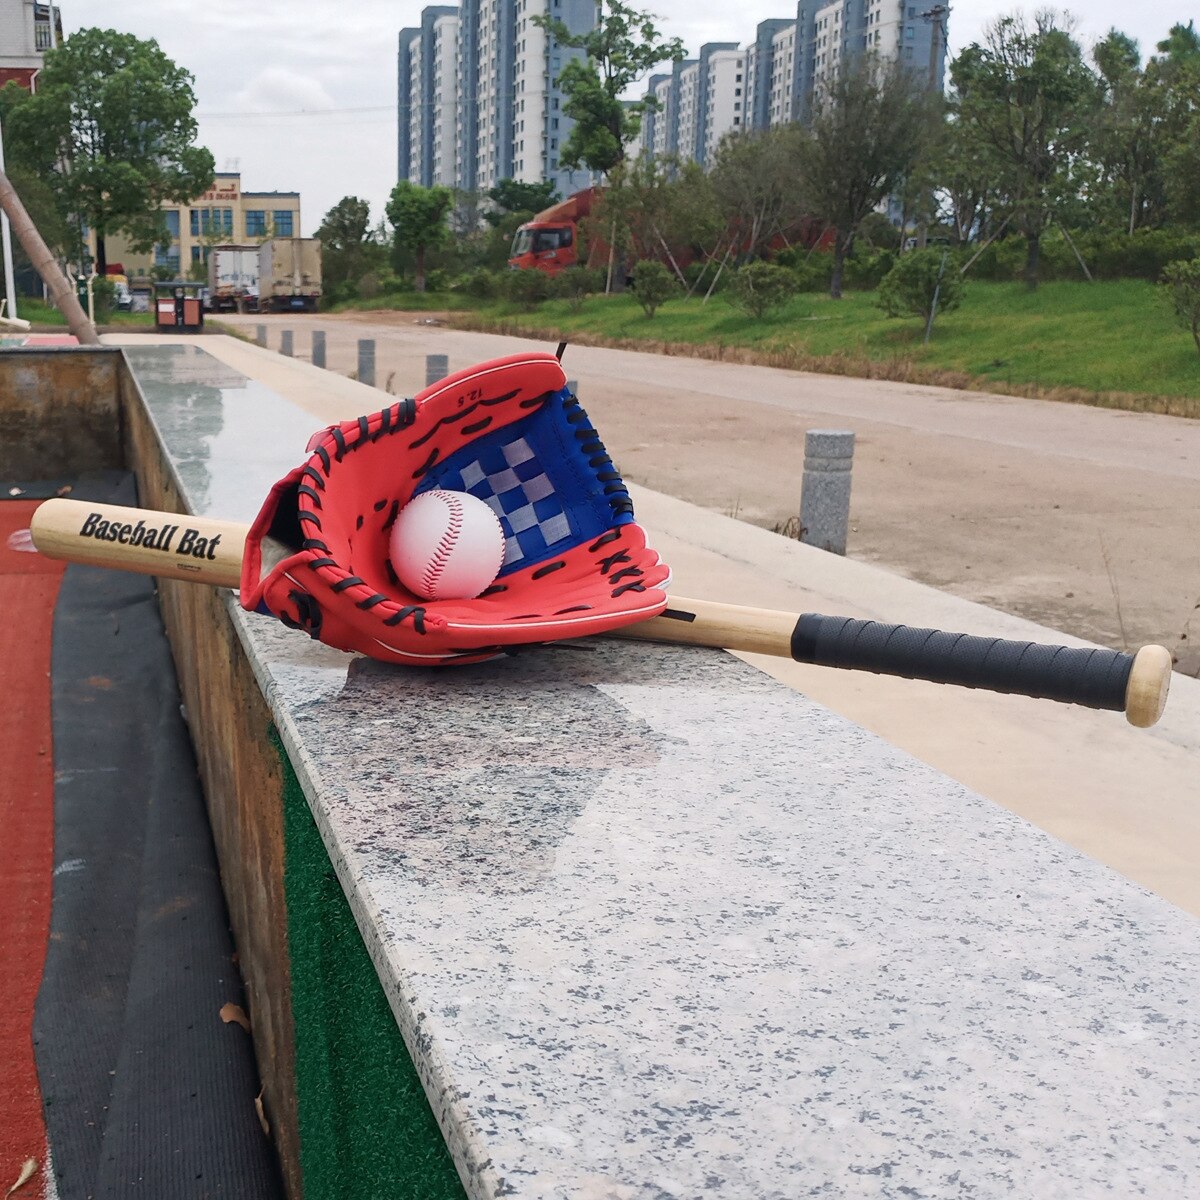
(655, 927)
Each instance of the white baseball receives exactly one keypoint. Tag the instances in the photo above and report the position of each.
(446, 546)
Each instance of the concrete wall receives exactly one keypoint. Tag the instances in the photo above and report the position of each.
(59, 412)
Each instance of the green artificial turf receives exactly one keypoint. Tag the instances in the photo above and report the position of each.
(1101, 338)
(366, 1129)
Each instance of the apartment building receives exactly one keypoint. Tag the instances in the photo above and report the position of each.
(773, 79)
(478, 98)
(725, 99)
(427, 98)
(27, 31)
(909, 33)
(659, 135)
(653, 119)
(781, 82)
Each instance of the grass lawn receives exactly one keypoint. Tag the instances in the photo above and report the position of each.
(42, 315)
(408, 302)
(1108, 343)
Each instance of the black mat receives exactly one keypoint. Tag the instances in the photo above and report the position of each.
(147, 1091)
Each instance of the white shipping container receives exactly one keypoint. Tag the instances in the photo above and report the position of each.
(289, 273)
(232, 274)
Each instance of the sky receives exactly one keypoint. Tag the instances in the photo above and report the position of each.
(300, 95)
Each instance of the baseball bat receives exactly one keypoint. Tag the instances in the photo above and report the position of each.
(204, 550)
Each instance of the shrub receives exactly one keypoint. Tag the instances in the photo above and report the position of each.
(338, 293)
(103, 297)
(369, 287)
(526, 288)
(812, 271)
(910, 286)
(866, 269)
(1143, 254)
(878, 233)
(653, 285)
(699, 276)
(392, 285)
(759, 287)
(480, 284)
(575, 284)
(1004, 260)
(1181, 283)
(437, 280)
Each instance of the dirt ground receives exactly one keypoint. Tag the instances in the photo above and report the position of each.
(1082, 519)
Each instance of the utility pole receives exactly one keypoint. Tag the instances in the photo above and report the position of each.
(936, 16)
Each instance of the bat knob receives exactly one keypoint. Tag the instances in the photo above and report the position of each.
(1146, 691)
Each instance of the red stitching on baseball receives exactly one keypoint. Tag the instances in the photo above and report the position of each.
(429, 580)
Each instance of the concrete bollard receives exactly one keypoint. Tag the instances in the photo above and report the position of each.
(260, 334)
(437, 367)
(825, 493)
(285, 343)
(366, 361)
(318, 348)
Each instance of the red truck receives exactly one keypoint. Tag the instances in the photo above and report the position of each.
(548, 242)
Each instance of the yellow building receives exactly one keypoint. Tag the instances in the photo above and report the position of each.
(224, 213)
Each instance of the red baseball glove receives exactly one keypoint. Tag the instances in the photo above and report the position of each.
(507, 431)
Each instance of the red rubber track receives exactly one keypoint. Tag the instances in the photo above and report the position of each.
(28, 589)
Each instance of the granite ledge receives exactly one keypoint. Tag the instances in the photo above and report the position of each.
(655, 926)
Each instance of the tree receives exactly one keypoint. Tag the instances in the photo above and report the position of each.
(869, 127)
(1126, 190)
(653, 207)
(755, 178)
(111, 129)
(348, 245)
(623, 47)
(1174, 76)
(1181, 282)
(653, 285)
(510, 196)
(1024, 101)
(418, 217)
(921, 284)
(759, 287)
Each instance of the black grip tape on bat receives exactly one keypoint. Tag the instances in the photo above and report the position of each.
(1096, 678)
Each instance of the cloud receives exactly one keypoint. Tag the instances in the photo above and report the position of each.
(276, 88)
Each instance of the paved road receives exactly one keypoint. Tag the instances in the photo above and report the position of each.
(1078, 518)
